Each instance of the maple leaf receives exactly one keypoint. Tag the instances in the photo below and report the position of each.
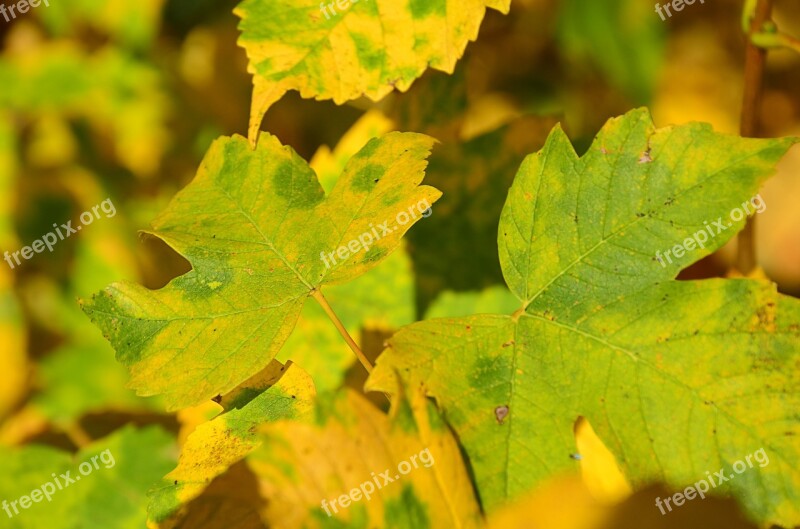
(676, 377)
(381, 298)
(261, 236)
(402, 470)
(278, 392)
(368, 48)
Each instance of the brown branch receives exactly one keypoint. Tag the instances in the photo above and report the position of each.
(755, 59)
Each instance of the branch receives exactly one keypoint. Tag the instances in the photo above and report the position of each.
(757, 13)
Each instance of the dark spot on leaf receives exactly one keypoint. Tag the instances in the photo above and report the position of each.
(500, 413)
(217, 399)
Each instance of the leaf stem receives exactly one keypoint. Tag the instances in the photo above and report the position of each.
(317, 294)
(755, 58)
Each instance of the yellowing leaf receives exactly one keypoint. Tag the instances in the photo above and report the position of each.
(278, 392)
(329, 164)
(600, 470)
(343, 50)
(381, 298)
(561, 503)
(261, 236)
(676, 377)
(407, 469)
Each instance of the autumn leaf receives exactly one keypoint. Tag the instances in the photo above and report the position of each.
(327, 51)
(407, 468)
(382, 298)
(261, 236)
(278, 392)
(676, 377)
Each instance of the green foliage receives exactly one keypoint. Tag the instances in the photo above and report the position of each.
(602, 331)
(363, 49)
(115, 92)
(137, 459)
(598, 369)
(132, 24)
(602, 32)
(255, 224)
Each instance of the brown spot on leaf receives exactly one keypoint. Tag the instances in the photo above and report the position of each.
(500, 413)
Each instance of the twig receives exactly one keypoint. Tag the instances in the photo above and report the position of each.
(755, 58)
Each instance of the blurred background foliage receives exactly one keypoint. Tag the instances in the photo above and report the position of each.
(120, 99)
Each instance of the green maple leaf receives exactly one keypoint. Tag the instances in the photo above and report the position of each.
(368, 48)
(255, 224)
(677, 377)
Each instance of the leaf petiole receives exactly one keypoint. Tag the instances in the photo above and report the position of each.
(317, 294)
